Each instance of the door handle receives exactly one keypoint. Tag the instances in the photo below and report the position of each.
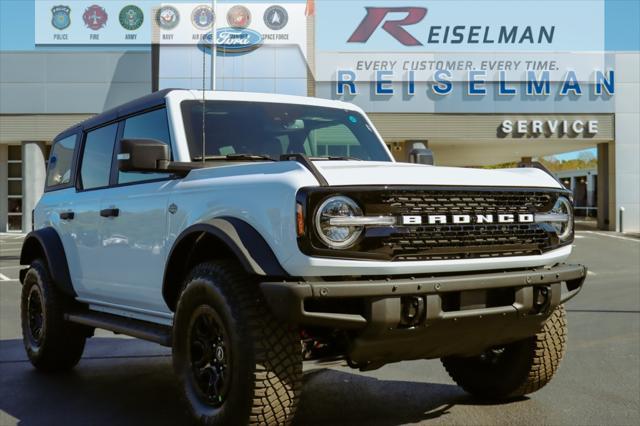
(109, 212)
(67, 215)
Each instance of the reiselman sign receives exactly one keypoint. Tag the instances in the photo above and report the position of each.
(503, 39)
(460, 25)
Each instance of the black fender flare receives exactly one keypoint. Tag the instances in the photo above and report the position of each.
(246, 244)
(46, 243)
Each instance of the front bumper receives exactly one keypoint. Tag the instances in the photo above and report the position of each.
(461, 314)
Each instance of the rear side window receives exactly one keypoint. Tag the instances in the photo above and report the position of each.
(97, 156)
(150, 125)
(60, 168)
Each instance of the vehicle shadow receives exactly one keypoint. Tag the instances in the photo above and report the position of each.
(343, 398)
(130, 382)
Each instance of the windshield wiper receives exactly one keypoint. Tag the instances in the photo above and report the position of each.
(235, 157)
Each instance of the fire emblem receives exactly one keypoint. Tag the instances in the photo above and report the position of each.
(95, 17)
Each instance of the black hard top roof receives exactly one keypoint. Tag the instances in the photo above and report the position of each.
(152, 100)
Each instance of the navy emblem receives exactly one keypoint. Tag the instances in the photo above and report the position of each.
(276, 17)
(167, 17)
(61, 17)
(239, 17)
(202, 17)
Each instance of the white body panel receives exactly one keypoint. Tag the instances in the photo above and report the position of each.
(386, 173)
(117, 264)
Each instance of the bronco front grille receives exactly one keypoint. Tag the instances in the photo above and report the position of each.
(443, 242)
(471, 241)
(452, 202)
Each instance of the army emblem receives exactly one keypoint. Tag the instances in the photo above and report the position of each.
(202, 17)
(131, 17)
(61, 17)
(95, 17)
(276, 17)
(239, 17)
(167, 17)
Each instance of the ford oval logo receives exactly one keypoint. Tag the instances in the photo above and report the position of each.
(232, 41)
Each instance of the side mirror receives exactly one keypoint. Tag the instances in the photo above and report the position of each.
(420, 154)
(143, 155)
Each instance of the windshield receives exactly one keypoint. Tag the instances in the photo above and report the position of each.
(273, 129)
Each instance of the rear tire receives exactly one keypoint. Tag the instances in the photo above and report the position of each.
(236, 363)
(516, 369)
(51, 343)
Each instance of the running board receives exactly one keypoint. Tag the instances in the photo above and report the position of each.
(145, 330)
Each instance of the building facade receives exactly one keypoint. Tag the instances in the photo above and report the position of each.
(466, 119)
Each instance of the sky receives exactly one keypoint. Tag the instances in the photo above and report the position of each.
(575, 154)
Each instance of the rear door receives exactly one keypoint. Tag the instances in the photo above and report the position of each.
(81, 236)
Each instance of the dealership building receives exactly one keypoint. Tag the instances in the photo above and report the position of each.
(514, 88)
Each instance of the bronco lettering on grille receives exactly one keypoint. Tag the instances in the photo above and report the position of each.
(461, 219)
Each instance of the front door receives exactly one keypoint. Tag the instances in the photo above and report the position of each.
(133, 225)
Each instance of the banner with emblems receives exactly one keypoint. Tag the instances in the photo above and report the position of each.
(231, 27)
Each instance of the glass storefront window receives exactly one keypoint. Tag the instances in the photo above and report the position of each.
(15, 153)
(15, 187)
(14, 223)
(15, 205)
(15, 170)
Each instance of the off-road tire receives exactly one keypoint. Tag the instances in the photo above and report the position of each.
(59, 344)
(523, 368)
(265, 356)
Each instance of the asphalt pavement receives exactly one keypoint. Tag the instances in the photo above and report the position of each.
(123, 381)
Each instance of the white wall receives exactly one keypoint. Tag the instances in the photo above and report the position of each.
(627, 144)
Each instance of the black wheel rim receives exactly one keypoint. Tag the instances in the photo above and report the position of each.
(210, 356)
(35, 315)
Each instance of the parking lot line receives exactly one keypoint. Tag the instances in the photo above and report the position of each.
(3, 277)
(613, 236)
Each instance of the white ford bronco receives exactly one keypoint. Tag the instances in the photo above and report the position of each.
(251, 232)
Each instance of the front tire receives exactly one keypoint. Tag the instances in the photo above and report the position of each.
(236, 363)
(51, 343)
(516, 369)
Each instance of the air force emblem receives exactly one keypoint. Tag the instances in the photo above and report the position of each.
(61, 17)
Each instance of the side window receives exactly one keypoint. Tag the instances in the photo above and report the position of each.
(61, 162)
(151, 125)
(97, 156)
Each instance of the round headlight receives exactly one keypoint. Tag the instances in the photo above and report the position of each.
(564, 228)
(337, 236)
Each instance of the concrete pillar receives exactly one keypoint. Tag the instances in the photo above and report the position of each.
(606, 187)
(33, 178)
(4, 186)
(573, 185)
(590, 189)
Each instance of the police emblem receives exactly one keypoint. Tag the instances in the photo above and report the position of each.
(131, 17)
(95, 17)
(202, 17)
(61, 17)
(276, 17)
(239, 17)
(167, 17)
